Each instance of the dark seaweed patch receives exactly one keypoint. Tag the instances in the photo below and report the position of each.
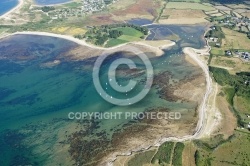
(5, 92)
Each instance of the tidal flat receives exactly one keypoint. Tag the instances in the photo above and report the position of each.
(40, 85)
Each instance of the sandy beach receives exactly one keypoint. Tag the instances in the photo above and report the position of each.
(20, 4)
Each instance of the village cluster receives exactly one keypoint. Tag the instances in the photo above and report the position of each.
(87, 7)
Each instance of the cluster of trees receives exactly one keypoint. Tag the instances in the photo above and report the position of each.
(215, 32)
(237, 81)
(142, 29)
(47, 8)
(99, 35)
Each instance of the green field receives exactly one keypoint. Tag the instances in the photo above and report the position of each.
(114, 42)
(142, 158)
(177, 155)
(188, 5)
(234, 151)
(129, 35)
(163, 154)
(130, 31)
(217, 51)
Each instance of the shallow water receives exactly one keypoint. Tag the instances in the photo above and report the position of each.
(32, 93)
(140, 21)
(6, 5)
(50, 2)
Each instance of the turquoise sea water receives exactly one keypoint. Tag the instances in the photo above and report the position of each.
(6, 5)
(33, 94)
(50, 2)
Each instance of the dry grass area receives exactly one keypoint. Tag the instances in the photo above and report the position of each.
(99, 19)
(228, 122)
(235, 151)
(183, 16)
(140, 9)
(235, 40)
(232, 64)
(212, 12)
(68, 30)
(188, 154)
(247, 13)
(223, 8)
(237, 14)
(189, 5)
(121, 5)
(216, 15)
(237, 6)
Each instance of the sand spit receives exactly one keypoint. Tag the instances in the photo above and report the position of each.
(145, 46)
(20, 4)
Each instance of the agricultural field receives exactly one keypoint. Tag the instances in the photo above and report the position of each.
(169, 153)
(142, 158)
(243, 106)
(212, 12)
(188, 154)
(234, 152)
(188, 5)
(114, 42)
(68, 30)
(235, 40)
(121, 5)
(164, 153)
(223, 8)
(232, 64)
(182, 16)
(147, 9)
(128, 35)
(237, 6)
